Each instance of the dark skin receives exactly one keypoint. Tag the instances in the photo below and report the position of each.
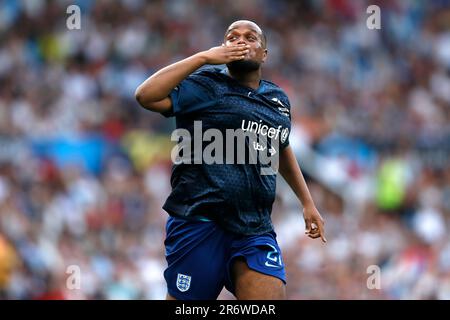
(244, 41)
(247, 33)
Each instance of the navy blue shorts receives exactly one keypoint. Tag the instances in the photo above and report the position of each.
(200, 254)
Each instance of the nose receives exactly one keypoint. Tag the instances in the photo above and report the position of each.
(241, 41)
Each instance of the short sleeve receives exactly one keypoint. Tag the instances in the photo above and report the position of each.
(192, 94)
(284, 137)
(286, 132)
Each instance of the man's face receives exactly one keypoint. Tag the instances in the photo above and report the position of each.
(247, 32)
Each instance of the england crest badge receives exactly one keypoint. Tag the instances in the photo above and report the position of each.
(183, 282)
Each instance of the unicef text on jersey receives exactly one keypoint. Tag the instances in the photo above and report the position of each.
(254, 143)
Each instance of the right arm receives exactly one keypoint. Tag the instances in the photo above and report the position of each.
(153, 93)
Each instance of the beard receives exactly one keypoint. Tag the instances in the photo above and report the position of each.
(243, 66)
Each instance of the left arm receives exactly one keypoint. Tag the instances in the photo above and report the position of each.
(290, 170)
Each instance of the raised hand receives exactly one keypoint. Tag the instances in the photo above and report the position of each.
(225, 54)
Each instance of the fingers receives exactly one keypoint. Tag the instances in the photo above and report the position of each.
(225, 54)
(238, 52)
(322, 231)
(307, 226)
(314, 233)
(315, 229)
(314, 236)
(239, 47)
(238, 57)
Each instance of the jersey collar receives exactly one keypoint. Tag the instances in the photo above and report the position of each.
(261, 82)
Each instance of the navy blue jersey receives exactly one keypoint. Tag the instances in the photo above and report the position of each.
(237, 196)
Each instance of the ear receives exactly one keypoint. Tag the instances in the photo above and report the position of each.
(264, 56)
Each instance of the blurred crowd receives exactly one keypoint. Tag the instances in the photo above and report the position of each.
(84, 171)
